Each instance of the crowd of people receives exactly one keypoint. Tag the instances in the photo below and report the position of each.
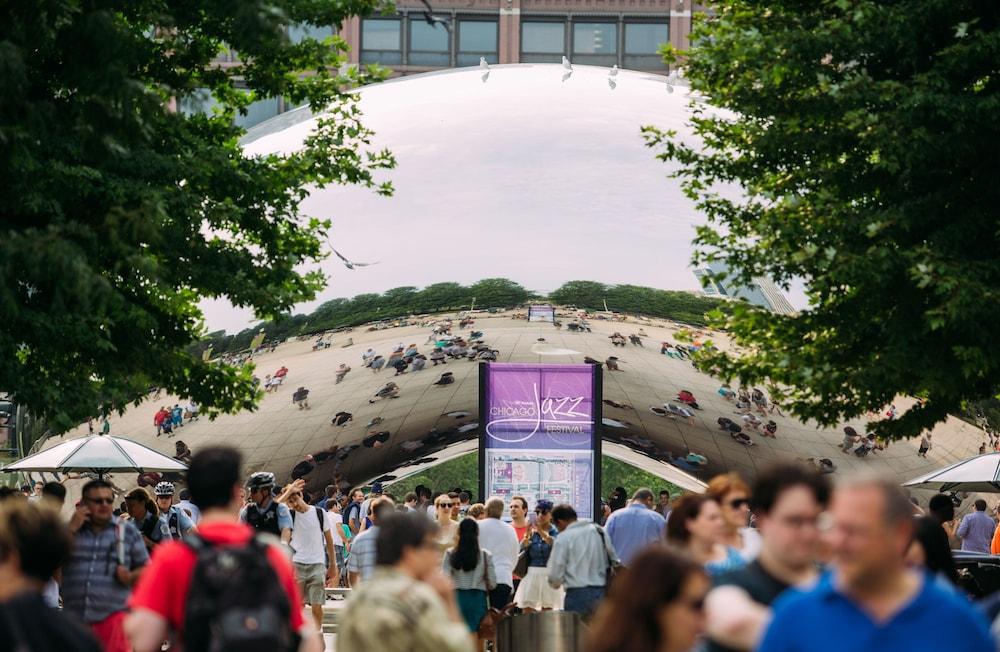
(789, 563)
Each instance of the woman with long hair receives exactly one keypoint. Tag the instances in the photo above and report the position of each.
(472, 570)
(534, 592)
(143, 512)
(733, 496)
(696, 526)
(655, 605)
(447, 527)
(930, 551)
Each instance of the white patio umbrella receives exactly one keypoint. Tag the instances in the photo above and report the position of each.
(100, 454)
(977, 474)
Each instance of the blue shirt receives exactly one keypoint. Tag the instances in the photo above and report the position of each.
(538, 550)
(90, 590)
(825, 620)
(976, 532)
(633, 529)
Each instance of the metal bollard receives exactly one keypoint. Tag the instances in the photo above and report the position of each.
(552, 631)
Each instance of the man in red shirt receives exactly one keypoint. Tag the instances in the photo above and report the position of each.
(160, 599)
(158, 420)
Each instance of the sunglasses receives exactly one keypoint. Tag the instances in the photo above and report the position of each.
(101, 501)
(541, 511)
(444, 506)
(736, 503)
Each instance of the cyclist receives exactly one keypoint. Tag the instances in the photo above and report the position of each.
(178, 521)
(264, 513)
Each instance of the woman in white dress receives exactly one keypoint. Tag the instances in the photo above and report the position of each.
(534, 592)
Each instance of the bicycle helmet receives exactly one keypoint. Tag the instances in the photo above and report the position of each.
(260, 480)
(164, 489)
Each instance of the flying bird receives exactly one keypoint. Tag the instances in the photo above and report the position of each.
(433, 20)
(350, 264)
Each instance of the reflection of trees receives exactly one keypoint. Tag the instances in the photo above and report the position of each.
(404, 301)
(392, 304)
(682, 306)
(464, 472)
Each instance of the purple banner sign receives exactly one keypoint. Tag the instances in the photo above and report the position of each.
(539, 435)
(544, 406)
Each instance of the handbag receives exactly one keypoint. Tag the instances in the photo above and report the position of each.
(521, 566)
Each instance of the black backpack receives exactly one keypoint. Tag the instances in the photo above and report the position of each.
(236, 602)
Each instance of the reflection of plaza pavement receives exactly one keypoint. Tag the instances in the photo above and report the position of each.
(279, 435)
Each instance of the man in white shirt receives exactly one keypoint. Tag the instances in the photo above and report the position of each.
(189, 507)
(310, 536)
(501, 541)
(335, 521)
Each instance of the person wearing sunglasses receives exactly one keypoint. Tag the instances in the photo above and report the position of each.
(666, 615)
(733, 496)
(697, 528)
(533, 592)
(447, 528)
(108, 556)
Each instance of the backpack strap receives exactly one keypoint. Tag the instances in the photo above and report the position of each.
(486, 573)
(322, 521)
(120, 542)
(196, 543)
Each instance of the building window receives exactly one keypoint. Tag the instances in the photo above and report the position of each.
(477, 38)
(380, 41)
(301, 31)
(200, 101)
(642, 41)
(595, 43)
(429, 44)
(258, 112)
(543, 42)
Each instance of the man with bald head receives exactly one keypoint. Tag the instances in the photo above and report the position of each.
(870, 600)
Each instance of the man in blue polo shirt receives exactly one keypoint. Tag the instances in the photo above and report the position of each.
(871, 601)
(636, 527)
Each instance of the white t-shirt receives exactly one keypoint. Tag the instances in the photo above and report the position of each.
(333, 523)
(500, 540)
(192, 510)
(308, 541)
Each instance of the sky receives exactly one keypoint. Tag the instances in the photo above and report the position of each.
(522, 176)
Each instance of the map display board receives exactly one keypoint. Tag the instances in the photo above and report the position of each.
(540, 438)
(542, 313)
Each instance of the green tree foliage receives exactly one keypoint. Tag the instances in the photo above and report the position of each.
(681, 306)
(489, 293)
(120, 214)
(864, 139)
(463, 472)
